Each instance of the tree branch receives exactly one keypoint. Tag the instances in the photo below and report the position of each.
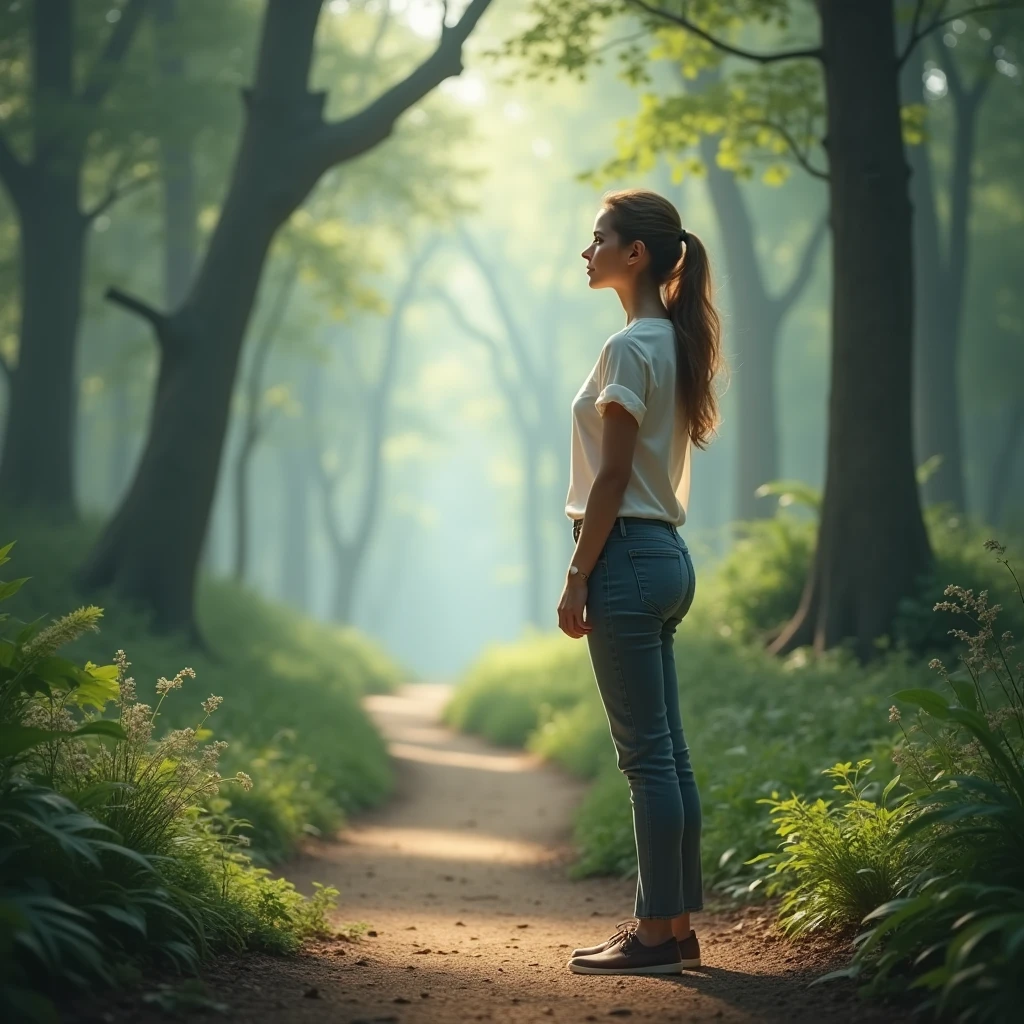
(504, 379)
(346, 139)
(525, 362)
(798, 154)
(139, 308)
(806, 267)
(117, 192)
(105, 70)
(940, 20)
(762, 58)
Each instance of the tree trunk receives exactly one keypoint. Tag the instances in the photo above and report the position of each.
(1002, 467)
(286, 147)
(872, 545)
(37, 465)
(939, 287)
(754, 332)
(120, 455)
(37, 461)
(255, 425)
(177, 173)
(294, 575)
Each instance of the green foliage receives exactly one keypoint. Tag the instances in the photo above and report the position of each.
(118, 848)
(75, 902)
(287, 682)
(956, 931)
(512, 690)
(757, 585)
(837, 862)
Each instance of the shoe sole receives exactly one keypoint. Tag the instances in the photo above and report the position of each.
(687, 964)
(675, 968)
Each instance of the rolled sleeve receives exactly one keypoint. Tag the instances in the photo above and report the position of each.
(623, 374)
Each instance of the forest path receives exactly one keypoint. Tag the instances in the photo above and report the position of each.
(461, 877)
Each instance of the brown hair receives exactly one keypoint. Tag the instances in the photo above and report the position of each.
(685, 276)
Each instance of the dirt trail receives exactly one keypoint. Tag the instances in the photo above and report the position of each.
(461, 878)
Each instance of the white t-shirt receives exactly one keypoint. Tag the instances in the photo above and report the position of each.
(637, 369)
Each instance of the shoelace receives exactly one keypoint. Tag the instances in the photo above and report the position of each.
(624, 929)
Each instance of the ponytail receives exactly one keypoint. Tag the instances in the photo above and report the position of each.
(685, 279)
(698, 327)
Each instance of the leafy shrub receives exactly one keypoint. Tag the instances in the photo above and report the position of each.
(74, 902)
(291, 689)
(757, 586)
(151, 873)
(837, 861)
(514, 688)
(956, 931)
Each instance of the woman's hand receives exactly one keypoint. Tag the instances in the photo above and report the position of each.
(571, 606)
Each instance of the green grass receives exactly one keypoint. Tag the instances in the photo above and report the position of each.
(291, 687)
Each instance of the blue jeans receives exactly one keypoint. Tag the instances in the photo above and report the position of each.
(640, 589)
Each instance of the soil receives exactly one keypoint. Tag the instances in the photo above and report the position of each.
(461, 879)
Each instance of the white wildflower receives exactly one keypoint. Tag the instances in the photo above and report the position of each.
(212, 703)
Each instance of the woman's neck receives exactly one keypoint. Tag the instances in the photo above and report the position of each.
(643, 302)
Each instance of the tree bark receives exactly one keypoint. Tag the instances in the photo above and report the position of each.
(255, 421)
(37, 466)
(294, 572)
(941, 279)
(757, 316)
(177, 173)
(286, 147)
(350, 552)
(872, 545)
(1002, 468)
(37, 460)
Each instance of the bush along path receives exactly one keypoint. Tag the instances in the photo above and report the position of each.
(456, 906)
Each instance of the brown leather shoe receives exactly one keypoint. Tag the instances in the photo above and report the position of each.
(689, 950)
(620, 931)
(629, 955)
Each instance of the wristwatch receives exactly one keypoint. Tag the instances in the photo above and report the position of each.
(575, 570)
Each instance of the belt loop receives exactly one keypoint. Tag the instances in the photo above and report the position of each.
(622, 526)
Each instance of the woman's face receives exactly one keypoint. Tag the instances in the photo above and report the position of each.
(608, 261)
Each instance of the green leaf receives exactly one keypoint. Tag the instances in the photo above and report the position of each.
(15, 739)
(10, 589)
(928, 701)
(28, 630)
(57, 671)
(965, 693)
(97, 686)
(102, 727)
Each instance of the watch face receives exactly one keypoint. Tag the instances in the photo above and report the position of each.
(573, 570)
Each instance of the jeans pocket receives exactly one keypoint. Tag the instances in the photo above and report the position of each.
(660, 577)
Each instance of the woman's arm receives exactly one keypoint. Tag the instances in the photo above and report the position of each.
(618, 443)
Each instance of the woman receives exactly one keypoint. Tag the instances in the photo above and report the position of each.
(650, 395)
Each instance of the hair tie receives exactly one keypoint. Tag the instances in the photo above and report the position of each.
(684, 236)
